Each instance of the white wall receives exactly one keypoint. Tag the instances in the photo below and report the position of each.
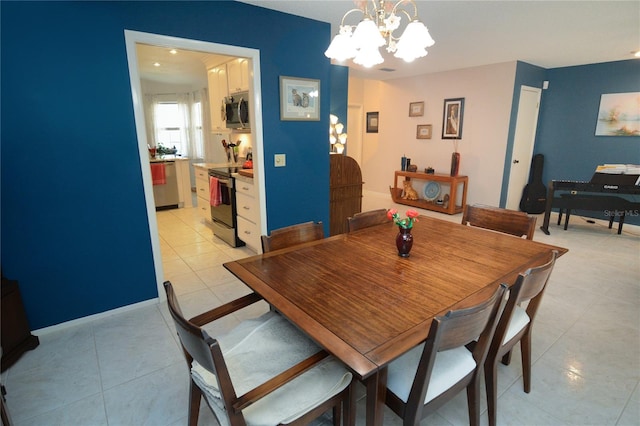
(488, 93)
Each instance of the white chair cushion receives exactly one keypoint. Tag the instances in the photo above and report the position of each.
(449, 367)
(519, 320)
(258, 350)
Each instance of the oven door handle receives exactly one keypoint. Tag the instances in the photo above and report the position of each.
(223, 181)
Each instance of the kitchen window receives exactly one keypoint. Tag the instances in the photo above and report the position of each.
(177, 120)
(170, 126)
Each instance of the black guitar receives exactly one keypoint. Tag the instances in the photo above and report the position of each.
(534, 196)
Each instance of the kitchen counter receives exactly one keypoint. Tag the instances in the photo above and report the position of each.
(159, 158)
(243, 178)
(213, 165)
(246, 172)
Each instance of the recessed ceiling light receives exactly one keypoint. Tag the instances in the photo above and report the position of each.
(173, 51)
(156, 64)
(636, 54)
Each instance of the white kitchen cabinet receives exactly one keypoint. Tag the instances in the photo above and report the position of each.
(202, 190)
(248, 210)
(218, 90)
(238, 75)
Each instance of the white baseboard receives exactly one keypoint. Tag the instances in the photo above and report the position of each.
(94, 317)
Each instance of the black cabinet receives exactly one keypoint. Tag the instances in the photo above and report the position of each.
(16, 334)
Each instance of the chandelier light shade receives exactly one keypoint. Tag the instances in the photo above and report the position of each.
(362, 42)
(414, 42)
(342, 47)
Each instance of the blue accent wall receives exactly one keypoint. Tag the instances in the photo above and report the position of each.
(74, 222)
(566, 131)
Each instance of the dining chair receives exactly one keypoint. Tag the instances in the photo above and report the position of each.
(515, 326)
(432, 373)
(292, 235)
(263, 372)
(366, 219)
(498, 219)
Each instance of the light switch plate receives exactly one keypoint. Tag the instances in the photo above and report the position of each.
(280, 160)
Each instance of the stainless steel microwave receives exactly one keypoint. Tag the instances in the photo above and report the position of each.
(237, 110)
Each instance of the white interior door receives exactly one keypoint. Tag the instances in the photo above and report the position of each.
(525, 135)
(354, 133)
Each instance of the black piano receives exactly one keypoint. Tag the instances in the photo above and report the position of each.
(616, 195)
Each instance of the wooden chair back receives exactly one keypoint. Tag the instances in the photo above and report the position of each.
(528, 289)
(199, 346)
(473, 327)
(292, 235)
(502, 220)
(367, 219)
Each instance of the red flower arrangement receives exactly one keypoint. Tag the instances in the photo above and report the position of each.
(404, 223)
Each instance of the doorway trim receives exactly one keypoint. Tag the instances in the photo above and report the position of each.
(131, 39)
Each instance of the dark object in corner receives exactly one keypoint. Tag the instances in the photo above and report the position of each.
(16, 335)
(534, 195)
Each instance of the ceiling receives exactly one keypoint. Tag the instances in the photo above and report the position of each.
(548, 34)
(185, 67)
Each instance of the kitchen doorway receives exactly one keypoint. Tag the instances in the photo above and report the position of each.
(132, 38)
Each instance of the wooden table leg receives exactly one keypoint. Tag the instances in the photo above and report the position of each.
(376, 392)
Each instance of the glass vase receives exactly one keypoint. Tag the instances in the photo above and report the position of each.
(404, 241)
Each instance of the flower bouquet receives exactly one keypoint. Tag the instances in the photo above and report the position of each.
(404, 239)
(404, 223)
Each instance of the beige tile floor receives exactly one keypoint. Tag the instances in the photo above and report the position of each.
(127, 368)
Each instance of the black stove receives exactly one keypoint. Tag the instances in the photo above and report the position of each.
(223, 214)
(223, 171)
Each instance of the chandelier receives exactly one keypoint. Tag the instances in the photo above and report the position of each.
(381, 19)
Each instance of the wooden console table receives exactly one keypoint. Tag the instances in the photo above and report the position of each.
(453, 181)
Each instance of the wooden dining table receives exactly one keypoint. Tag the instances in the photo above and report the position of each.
(366, 305)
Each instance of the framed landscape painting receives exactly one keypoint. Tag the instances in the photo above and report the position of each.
(619, 115)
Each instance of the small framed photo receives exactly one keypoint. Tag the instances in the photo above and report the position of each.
(372, 122)
(423, 131)
(452, 118)
(416, 109)
(299, 99)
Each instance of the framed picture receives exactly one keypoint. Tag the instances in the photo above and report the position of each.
(618, 115)
(423, 131)
(372, 122)
(416, 109)
(452, 118)
(299, 99)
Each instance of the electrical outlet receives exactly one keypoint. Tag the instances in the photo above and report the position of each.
(280, 160)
